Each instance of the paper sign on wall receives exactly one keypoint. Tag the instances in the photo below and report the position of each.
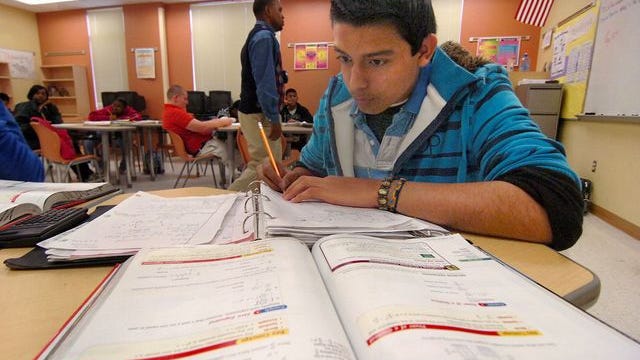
(145, 63)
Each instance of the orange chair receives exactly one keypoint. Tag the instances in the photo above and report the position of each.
(243, 147)
(191, 161)
(50, 150)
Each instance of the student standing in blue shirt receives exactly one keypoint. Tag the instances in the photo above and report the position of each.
(18, 161)
(405, 128)
(262, 85)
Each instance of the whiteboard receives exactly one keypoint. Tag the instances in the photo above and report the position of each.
(614, 81)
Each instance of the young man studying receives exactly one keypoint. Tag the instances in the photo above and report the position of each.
(405, 128)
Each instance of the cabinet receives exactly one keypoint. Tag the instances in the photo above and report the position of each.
(68, 89)
(5, 79)
(544, 102)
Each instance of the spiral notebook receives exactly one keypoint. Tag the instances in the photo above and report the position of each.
(267, 214)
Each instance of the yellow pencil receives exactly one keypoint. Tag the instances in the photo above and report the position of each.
(269, 152)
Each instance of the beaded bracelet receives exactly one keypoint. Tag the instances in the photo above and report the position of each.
(395, 194)
(383, 194)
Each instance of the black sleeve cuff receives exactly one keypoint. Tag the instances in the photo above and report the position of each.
(559, 195)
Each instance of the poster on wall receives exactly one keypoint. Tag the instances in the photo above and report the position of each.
(311, 56)
(145, 63)
(501, 50)
(21, 63)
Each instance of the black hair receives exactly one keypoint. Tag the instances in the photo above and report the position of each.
(259, 6)
(122, 101)
(34, 89)
(4, 97)
(235, 105)
(290, 90)
(413, 19)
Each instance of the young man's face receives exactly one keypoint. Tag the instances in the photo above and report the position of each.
(275, 17)
(377, 65)
(117, 108)
(291, 99)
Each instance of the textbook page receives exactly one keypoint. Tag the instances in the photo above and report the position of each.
(10, 212)
(442, 298)
(44, 195)
(227, 302)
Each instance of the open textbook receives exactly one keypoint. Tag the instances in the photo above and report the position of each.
(19, 198)
(353, 297)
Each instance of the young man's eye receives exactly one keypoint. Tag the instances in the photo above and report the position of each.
(343, 59)
(377, 62)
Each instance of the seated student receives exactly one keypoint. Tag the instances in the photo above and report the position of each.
(6, 99)
(197, 135)
(118, 110)
(292, 111)
(18, 161)
(404, 128)
(40, 107)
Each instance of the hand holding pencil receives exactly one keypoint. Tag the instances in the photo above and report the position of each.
(267, 147)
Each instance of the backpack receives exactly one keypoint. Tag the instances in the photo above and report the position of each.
(67, 151)
(157, 163)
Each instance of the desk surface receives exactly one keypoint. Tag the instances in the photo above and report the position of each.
(89, 127)
(286, 128)
(35, 303)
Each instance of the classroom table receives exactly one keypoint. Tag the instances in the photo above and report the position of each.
(34, 304)
(148, 127)
(104, 131)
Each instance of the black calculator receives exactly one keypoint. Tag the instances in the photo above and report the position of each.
(33, 229)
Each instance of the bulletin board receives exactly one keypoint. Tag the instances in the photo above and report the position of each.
(572, 51)
(501, 50)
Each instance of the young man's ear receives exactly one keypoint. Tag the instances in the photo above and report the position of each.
(428, 47)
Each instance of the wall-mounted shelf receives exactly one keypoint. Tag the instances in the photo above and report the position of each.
(71, 90)
(5, 79)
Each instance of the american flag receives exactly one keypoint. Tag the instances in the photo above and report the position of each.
(534, 12)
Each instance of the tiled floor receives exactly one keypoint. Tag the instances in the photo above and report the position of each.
(615, 258)
(611, 254)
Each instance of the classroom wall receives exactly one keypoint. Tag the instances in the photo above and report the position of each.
(142, 31)
(307, 21)
(179, 45)
(23, 36)
(486, 18)
(615, 147)
(66, 31)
